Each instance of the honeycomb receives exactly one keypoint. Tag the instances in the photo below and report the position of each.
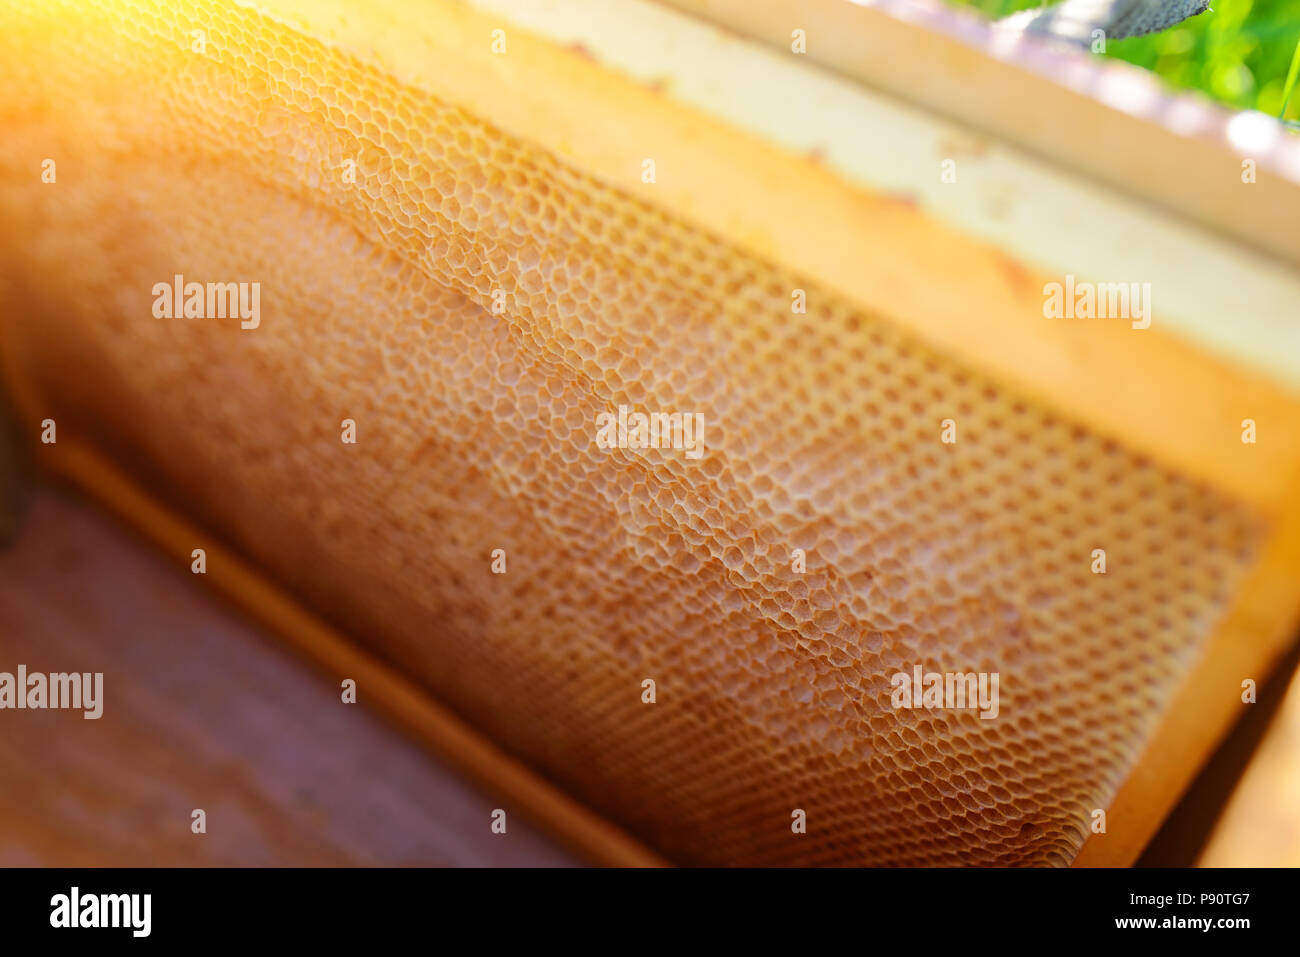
(475, 432)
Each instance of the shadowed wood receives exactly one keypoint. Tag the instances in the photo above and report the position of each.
(201, 713)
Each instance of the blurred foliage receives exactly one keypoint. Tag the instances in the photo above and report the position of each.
(1238, 52)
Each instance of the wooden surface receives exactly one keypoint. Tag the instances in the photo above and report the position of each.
(200, 712)
(1260, 827)
(1124, 128)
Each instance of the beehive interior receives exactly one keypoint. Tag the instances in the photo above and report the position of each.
(476, 432)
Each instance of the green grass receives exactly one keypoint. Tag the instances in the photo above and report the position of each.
(1240, 54)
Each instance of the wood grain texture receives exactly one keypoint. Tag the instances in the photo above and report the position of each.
(1104, 119)
(201, 713)
(1261, 825)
